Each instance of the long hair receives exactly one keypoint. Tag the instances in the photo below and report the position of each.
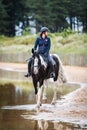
(42, 33)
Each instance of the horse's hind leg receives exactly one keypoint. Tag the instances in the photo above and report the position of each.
(45, 85)
(36, 90)
(55, 93)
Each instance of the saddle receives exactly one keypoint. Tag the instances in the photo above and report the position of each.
(45, 58)
(50, 65)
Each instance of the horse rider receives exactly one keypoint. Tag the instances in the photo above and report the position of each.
(43, 44)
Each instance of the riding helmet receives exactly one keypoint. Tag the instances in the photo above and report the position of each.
(44, 29)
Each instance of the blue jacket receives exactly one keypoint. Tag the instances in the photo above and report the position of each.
(43, 45)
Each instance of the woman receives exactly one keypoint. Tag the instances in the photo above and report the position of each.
(43, 45)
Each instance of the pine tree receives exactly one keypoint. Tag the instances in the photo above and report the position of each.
(3, 17)
(16, 11)
(50, 13)
(83, 14)
(58, 15)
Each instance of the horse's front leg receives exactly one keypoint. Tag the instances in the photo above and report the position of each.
(39, 93)
(35, 88)
(55, 94)
(39, 96)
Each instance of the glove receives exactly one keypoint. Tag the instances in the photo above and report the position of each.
(34, 51)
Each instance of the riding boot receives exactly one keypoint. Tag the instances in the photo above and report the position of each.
(29, 70)
(52, 74)
(27, 75)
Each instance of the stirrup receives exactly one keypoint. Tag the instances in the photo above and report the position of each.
(27, 75)
(52, 75)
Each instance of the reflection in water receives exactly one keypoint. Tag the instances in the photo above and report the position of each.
(43, 125)
(12, 119)
(46, 125)
(14, 95)
(60, 126)
(6, 96)
(18, 90)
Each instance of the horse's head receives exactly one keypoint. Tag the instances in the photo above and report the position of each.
(38, 62)
(35, 62)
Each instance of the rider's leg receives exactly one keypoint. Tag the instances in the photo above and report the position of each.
(51, 64)
(29, 69)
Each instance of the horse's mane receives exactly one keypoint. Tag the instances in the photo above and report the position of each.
(43, 61)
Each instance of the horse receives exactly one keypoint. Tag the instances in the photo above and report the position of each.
(40, 73)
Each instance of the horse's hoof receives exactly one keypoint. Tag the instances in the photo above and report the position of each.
(38, 106)
(53, 103)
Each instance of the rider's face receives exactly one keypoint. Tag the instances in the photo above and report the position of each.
(46, 33)
(43, 35)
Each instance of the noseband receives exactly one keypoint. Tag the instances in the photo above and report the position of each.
(37, 66)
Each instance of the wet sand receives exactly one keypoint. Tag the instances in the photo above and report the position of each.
(76, 73)
(72, 108)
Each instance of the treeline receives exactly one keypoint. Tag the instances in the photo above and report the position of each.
(50, 13)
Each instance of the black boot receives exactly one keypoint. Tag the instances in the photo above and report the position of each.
(52, 74)
(27, 75)
(29, 69)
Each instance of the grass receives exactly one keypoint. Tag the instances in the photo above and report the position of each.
(74, 43)
(61, 43)
(22, 40)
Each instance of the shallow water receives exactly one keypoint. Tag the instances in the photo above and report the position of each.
(17, 101)
(12, 120)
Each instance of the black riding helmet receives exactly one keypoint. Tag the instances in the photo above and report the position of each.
(44, 29)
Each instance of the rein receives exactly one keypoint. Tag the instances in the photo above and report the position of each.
(42, 63)
(37, 66)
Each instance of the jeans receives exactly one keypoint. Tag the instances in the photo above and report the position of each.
(50, 62)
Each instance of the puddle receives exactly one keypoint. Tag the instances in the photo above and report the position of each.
(17, 106)
(13, 121)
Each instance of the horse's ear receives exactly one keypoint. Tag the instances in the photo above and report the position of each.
(33, 50)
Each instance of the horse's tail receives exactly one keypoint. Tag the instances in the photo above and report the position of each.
(62, 77)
